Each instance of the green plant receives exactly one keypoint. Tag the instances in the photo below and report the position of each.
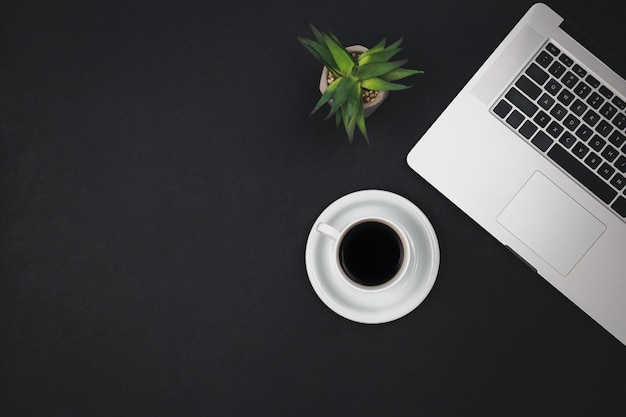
(370, 70)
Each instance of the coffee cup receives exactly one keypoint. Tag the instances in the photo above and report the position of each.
(371, 253)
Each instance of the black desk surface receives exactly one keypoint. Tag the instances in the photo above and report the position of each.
(159, 176)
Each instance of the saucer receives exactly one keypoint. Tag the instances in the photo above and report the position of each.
(373, 306)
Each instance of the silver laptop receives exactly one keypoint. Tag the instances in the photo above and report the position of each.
(534, 150)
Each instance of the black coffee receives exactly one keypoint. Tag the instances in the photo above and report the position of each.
(371, 253)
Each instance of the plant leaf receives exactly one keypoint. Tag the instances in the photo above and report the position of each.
(350, 110)
(395, 44)
(382, 85)
(337, 118)
(382, 56)
(335, 38)
(318, 35)
(375, 69)
(321, 53)
(340, 55)
(354, 100)
(360, 122)
(311, 46)
(376, 48)
(352, 113)
(399, 73)
(347, 124)
(345, 89)
(326, 96)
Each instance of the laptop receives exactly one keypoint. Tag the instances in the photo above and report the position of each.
(533, 149)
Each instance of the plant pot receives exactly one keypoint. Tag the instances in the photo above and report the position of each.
(369, 107)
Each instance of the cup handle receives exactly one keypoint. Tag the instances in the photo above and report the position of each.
(328, 231)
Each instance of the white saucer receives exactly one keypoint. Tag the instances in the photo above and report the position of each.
(374, 306)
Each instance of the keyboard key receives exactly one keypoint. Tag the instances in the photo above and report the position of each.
(620, 206)
(558, 112)
(582, 90)
(571, 122)
(537, 74)
(597, 143)
(542, 141)
(554, 129)
(583, 174)
(569, 79)
(606, 171)
(566, 60)
(579, 70)
(565, 97)
(515, 119)
(528, 129)
(544, 59)
(608, 111)
(552, 49)
(527, 86)
(557, 69)
(605, 92)
(552, 87)
(580, 150)
(610, 153)
(502, 109)
(619, 103)
(593, 160)
(521, 102)
(617, 139)
(604, 128)
(620, 121)
(595, 100)
(620, 164)
(584, 132)
(591, 118)
(567, 139)
(618, 181)
(592, 81)
(542, 119)
(578, 107)
(545, 101)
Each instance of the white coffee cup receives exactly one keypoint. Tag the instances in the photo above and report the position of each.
(370, 253)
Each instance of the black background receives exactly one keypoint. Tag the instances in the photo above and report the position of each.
(160, 174)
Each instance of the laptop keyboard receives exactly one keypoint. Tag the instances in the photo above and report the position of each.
(573, 119)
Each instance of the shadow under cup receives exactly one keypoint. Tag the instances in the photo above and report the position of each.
(371, 253)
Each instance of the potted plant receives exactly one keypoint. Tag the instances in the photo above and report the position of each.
(355, 80)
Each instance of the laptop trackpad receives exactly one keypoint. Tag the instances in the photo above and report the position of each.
(551, 223)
